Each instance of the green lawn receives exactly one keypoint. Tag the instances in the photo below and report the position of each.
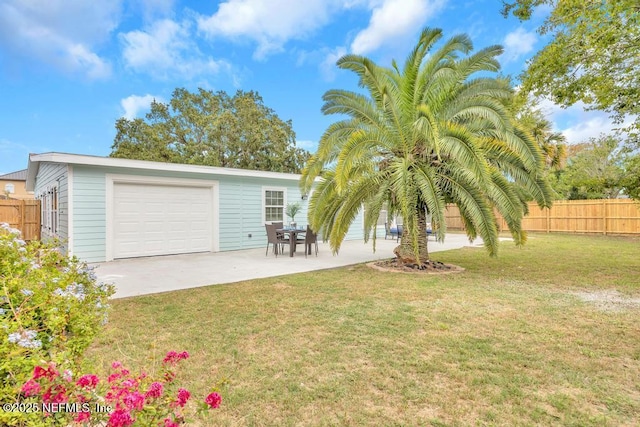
(507, 342)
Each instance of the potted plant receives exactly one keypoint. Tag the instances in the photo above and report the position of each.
(292, 210)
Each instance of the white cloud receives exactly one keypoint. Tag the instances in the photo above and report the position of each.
(328, 65)
(166, 49)
(270, 23)
(152, 9)
(595, 123)
(518, 43)
(60, 33)
(591, 128)
(134, 104)
(577, 123)
(393, 19)
(310, 146)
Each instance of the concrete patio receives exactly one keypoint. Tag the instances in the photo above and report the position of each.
(140, 276)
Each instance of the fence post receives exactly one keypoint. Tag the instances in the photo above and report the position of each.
(604, 216)
(22, 212)
(548, 220)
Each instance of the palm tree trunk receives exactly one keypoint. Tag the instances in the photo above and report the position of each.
(406, 253)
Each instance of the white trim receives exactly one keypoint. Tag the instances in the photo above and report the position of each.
(284, 201)
(70, 237)
(50, 225)
(111, 179)
(147, 165)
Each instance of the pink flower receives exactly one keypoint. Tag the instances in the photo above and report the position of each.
(50, 372)
(170, 423)
(60, 397)
(134, 400)
(120, 418)
(31, 388)
(173, 357)
(129, 383)
(183, 396)
(155, 390)
(55, 394)
(213, 400)
(113, 377)
(82, 416)
(116, 365)
(89, 381)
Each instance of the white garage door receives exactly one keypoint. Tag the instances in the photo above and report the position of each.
(161, 220)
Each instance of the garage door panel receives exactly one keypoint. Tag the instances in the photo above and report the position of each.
(161, 220)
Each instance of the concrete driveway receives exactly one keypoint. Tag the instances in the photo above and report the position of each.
(140, 276)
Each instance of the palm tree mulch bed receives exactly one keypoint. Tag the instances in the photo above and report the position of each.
(429, 267)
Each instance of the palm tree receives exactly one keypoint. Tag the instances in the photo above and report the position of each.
(419, 138)
(552, 144)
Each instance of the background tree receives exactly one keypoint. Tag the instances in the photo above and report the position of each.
(595, 170)
(592, 57)
(631, 179)
(553, 144)
(436, 131)
(213, 129)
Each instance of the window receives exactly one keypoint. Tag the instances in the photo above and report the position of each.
(274, 200)
(9, 188)
(49, 211)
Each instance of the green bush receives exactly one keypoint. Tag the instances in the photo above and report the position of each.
(51, 307)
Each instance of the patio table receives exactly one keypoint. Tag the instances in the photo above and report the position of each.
(293, 237)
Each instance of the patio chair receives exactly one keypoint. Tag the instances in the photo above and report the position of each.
(279, 226)
(398, 231)
(387, 230)
(299, 239)
(310, 238)
(278, 242)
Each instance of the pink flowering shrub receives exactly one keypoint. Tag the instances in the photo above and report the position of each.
(123, 399)
(51, 308)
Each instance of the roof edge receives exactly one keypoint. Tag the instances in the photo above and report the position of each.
(80, 159)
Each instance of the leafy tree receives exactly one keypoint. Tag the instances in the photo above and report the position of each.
(594, 172)
(631, 180)
(592, 57)
(420, 137)
(212, 129)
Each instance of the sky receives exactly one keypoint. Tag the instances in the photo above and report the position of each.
(70, 68)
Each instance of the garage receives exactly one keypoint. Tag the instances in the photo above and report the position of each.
(158, 219)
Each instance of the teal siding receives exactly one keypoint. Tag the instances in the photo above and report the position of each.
(356, 231)
(241, 210)
(89, 215)
(240, 206)
(48, 175)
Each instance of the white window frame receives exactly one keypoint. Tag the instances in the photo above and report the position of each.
(50, 210)
(265, 206)
(9, 188)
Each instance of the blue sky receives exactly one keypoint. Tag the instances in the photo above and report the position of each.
(70, 68)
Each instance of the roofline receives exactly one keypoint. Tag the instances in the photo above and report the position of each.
(13, 176)
(79, 159)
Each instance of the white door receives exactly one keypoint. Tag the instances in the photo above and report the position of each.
(153, 219)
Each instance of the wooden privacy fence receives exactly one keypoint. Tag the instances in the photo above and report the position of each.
(23, 215)
(607, 216)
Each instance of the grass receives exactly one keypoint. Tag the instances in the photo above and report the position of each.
(507, 342)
